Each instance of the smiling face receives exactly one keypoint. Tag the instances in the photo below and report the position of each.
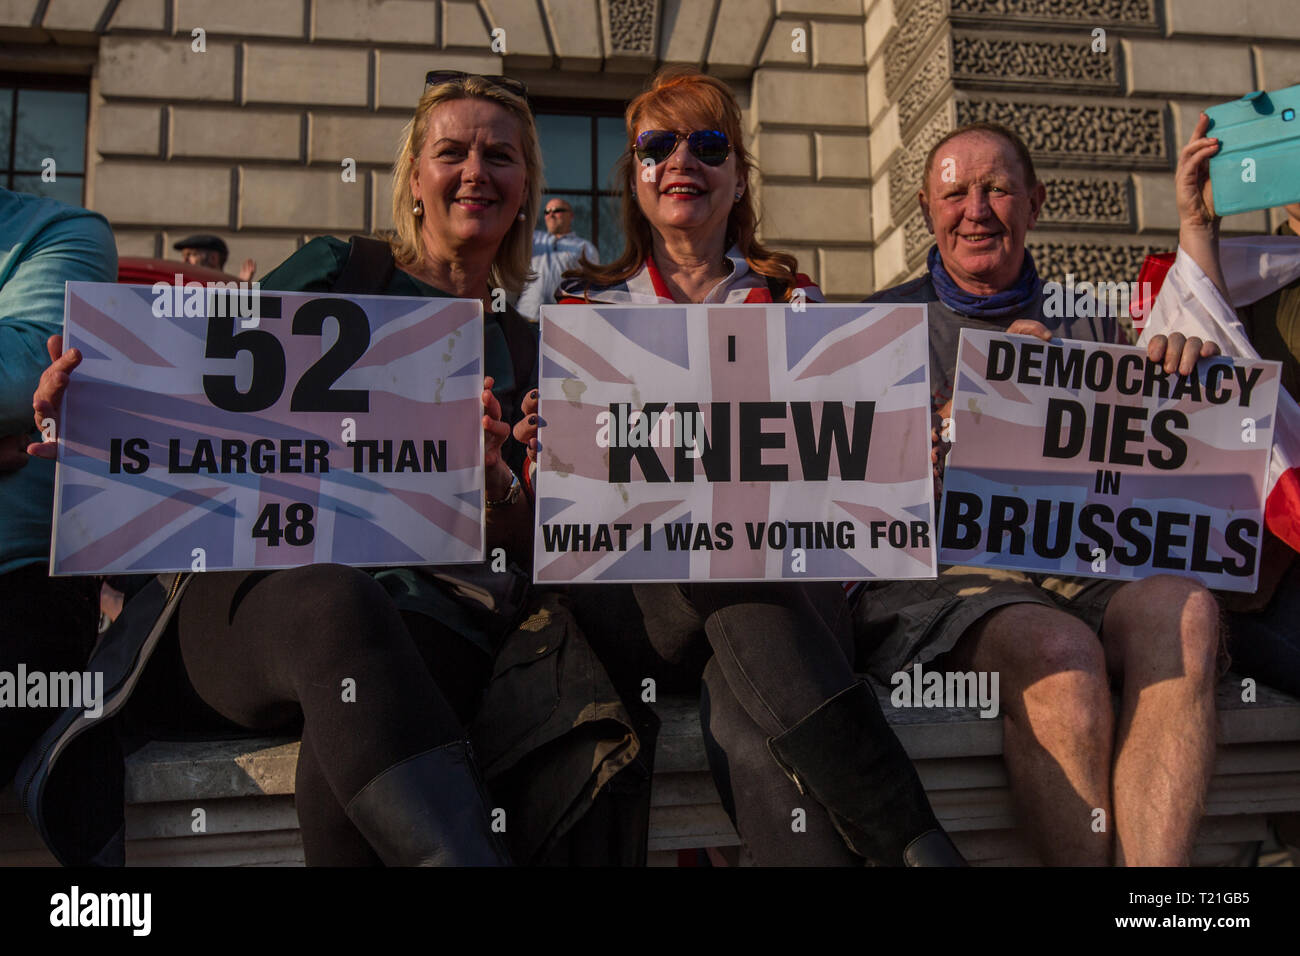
(684, 195)
(470, 175)
(980, 217)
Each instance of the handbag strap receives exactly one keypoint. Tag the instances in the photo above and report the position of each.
(369, 268)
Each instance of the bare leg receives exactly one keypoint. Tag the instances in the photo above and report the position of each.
(1057, 725)
(1163, 635)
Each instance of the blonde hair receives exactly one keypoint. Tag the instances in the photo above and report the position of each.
(512, 264)
(684, 98)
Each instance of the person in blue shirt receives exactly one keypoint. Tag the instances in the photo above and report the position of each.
(556, 250)
(47, 625)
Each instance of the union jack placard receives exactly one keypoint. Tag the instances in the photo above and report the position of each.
(734, 443)
(1087, 459)
(201, 434)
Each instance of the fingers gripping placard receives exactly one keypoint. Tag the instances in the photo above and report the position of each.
(341, 429)
(734, 442)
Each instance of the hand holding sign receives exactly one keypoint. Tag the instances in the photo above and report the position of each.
(526, 428)
(48, 397)
(495, 432)
(1179, 353)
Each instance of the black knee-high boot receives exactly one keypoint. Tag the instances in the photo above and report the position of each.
(429, 810)
(847, 756)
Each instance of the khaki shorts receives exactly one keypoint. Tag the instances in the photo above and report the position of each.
(902, 623)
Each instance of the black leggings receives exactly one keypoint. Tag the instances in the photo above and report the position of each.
(324, 651)
(774, 653)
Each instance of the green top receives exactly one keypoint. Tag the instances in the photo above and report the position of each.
(315, 266)
(1273, 324)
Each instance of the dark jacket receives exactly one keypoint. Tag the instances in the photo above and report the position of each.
(558, 748)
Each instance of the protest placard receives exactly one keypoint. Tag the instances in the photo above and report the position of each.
(210, 430)
(734, 443)
(1085, 459)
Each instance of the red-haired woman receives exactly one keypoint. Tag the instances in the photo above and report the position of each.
(781, 707)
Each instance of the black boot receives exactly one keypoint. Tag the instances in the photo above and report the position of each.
(846, 755)
(429, 810)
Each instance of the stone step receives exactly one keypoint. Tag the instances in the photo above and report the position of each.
(245, 788)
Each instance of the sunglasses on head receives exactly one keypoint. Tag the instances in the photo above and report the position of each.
(709, 146)
(509, 84)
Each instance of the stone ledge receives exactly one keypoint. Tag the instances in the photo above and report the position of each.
(245, 789)
(954, 748)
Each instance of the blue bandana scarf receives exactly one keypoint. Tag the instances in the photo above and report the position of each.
(1020, 300)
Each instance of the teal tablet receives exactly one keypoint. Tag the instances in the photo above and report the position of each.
(1258, 163)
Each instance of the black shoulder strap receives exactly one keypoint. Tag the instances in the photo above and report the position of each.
(776, 288)
(368, 270)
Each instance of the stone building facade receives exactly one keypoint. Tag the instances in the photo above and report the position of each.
(246, 136)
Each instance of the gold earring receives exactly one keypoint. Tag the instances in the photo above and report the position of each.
(419, 207)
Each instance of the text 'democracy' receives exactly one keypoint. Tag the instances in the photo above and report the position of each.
(1085, 459)
(313, 428)
(734, 443)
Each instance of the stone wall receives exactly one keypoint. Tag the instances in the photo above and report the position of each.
(246, 138)
(1104, 123)
(842, 99)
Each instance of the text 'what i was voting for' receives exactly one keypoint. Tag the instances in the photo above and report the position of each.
(290, 430)
(738, 442)
(1081, 458)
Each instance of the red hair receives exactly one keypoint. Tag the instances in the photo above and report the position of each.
(684, 98)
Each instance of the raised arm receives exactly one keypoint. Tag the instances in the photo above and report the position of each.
(1198, 237)
(1198, 226)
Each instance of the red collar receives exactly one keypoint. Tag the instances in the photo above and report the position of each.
(656, 280)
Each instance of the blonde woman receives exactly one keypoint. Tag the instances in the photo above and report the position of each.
(388, 777)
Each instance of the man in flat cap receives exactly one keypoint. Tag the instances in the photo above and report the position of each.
(208, 250)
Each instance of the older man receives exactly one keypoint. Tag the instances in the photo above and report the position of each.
(1092, 788)
(555, 251)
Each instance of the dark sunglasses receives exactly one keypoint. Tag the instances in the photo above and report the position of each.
(509, 84)
(556, 212)
(709, 146)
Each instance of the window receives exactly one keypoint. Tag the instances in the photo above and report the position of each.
(43, 136)
(580, 145)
